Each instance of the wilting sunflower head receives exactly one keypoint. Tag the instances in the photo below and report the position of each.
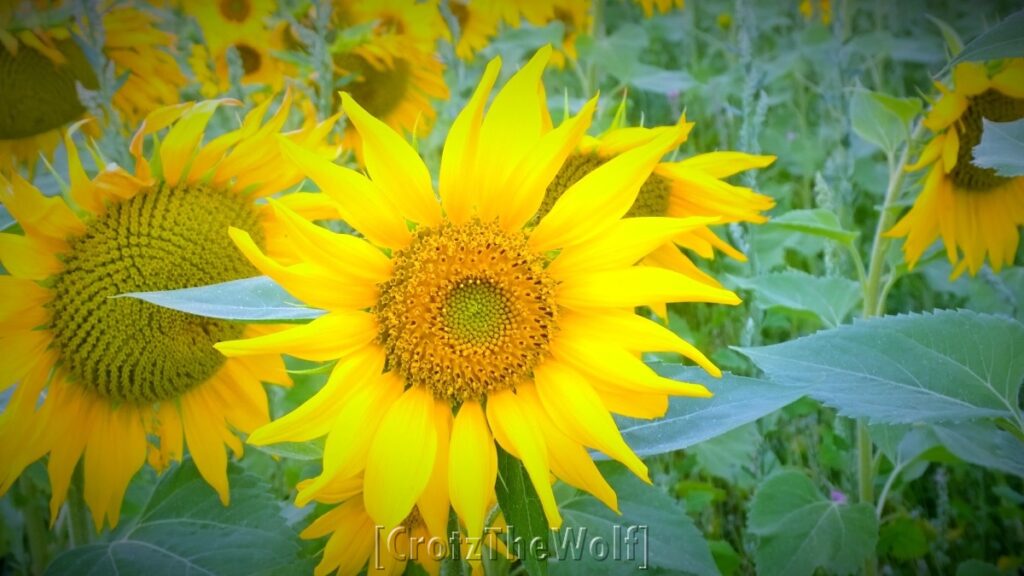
(975, 210)
(118, 369)
(459, 319)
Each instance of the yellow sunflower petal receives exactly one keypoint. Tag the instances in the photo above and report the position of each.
(724, 164)
(637, 286)
(38, 214)
(473, 467)
(401, 458)
(948, 109)
(1010, 80)
(314, 417)
(27, 257)
(435, 502)
(351, 542)
(932, 151)
(360, 203)
(577, 410)
(202, 424)
(395, 166)
(512, 424)
(328, 337)
(600, 198)
(460, 148)
(623, 244)
(950, 150)
(179, 146)
(540, 165)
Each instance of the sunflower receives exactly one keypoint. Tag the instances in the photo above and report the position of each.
(419, 22)
(661, 6)
(40, 66)
(526, 333)
(975, 210)
(395, 80)
(242, 25)
(478, 23)
(692, 189)
(115, 371)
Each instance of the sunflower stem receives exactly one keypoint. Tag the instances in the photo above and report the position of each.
(78, 514)
(35, 526)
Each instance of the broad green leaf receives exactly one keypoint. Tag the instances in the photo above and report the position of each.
(881, 119)
(982, 443)
(800, 531)
(978, 568)
(521, 507)
(258, 299)
(831, 299)
(908, 368)
(1001, 147)
(816, 221)
(668, 82)
(1003, 40)
(653, 532)
(903, 539)
(736, 401)
(730, 455)
(304, 451)
(184, 529)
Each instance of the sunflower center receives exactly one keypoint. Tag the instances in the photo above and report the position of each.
(37, 95)
(380, 89)
(161, 239)
(469, 310)
(996, 107)
(251, 59)
(651, 200)
(235, 10)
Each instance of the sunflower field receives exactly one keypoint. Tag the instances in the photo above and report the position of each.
(511, 288)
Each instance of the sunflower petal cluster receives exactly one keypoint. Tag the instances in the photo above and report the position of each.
(461, 323)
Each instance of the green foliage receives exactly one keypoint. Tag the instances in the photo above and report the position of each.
(830, 299)
(1001, 147)
(1002, 41)
(183, 528)
(931, 367)
(881, 119)
(817, 222)
(523, 513)
(800, 530)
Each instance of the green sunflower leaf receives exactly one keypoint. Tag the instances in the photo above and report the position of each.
(1001, 147)
(258, 299)
(528, 530)
(831, 299)
(882, 119)
(1003, 40)
(814, 221)
(942, 366)
(799, 530)
(184, 529)
(736, 401)
(652, 533)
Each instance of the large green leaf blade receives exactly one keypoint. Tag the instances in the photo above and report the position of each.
(909, 368)
(801, 531)
(184, 529)
(1003, 40)
(814, 221)
(736, 401)
(258, 299)
(652, 533)
(882, 119)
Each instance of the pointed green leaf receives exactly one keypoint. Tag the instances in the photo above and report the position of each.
(258, 299)
(1003, 40)
(882, 119)
(815, 221)
(831, 299)
(528, 527)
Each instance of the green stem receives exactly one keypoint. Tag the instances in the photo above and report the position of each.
(78, 513)
(874, 305)
(35, 527)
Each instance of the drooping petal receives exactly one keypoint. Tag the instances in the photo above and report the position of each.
(401, 457)
(473, 467)
(637, 286)
(328, 337)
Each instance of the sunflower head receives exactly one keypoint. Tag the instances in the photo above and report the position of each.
(118, 371)
(975, 210)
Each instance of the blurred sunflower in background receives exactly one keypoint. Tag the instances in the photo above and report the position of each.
(116, 371)
(689, 188)
(41, 63)
(457, 324)
(247, 27)
(393, 70)
(820, 8)
(976, 211)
